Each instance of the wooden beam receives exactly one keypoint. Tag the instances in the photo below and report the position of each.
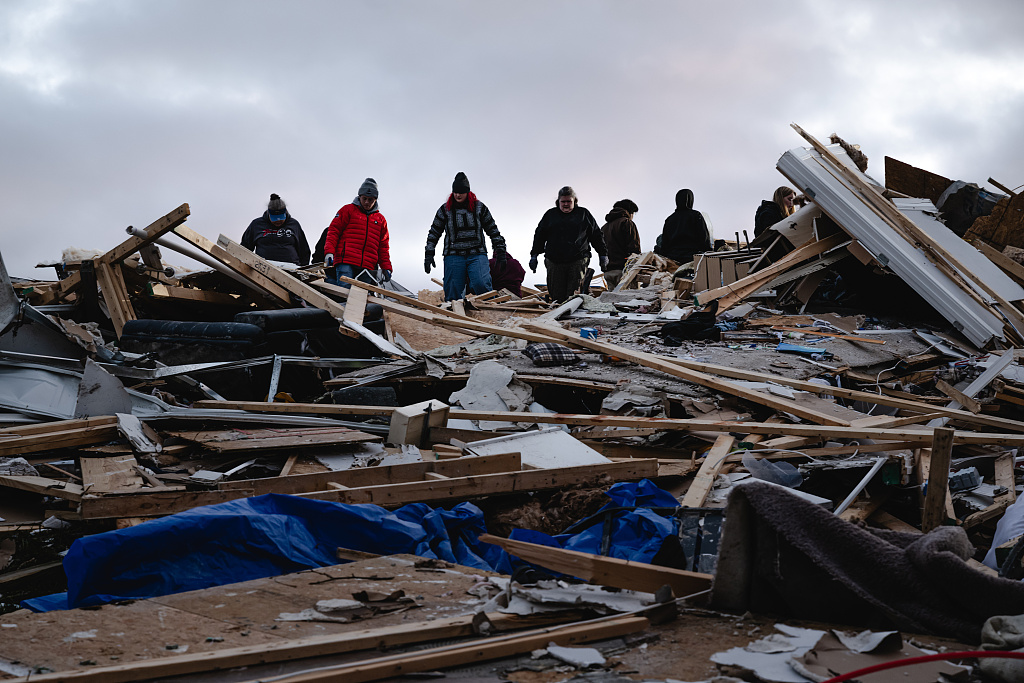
(188, 294)
(816, 333)
(649, 360)
(43, 485)
(958, 396)
(464, 488)
(1004, 465)
(380, 475)
(933, 514)
(154, 504)
(705, 479)
(381, 637)
(115, 294)
(63, 434)
(355, 306)
(254, 278)
(1007, 264)
(605, 571)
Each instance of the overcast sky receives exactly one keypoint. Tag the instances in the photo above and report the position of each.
(115, 112)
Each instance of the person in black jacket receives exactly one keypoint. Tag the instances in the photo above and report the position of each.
(276, 236)
(685, 233)
(771, 212)
(564, 235)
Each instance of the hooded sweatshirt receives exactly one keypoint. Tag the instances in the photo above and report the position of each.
(685, 233)
(621, 237)
(287, 243)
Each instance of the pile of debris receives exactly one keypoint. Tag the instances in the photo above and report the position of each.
(732, 436)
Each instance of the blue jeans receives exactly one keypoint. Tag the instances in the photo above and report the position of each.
(343, 270)
(458, 270)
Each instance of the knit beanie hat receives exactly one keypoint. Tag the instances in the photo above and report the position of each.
(368, 188)
(461, 183)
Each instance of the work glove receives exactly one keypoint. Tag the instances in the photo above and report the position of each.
(428, 263)
(328, 260)
(386, 275)
(533, 263)
(604, 262)
(502, 259)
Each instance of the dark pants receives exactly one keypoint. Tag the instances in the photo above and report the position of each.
(564, 279)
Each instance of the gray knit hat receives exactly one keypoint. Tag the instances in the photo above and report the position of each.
(368, 188)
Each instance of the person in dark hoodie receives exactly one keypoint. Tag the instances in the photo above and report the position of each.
(564, 235)
(463, 220)
(685, 233)
(771, 212)
(621, 238)
(276, 236)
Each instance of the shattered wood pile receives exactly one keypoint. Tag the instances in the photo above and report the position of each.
(132, 393)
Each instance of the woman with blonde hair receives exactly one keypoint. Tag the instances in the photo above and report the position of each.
(771, 212)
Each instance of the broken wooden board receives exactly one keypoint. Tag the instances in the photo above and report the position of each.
(113, 474)
(154, 504)
(606, 571)
(709, 469)
(19, 440)
(465, 488)
(236, 440)
(380, 475)
(189, 295)
(43, 485)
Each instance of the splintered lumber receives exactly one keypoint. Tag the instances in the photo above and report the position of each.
(380, 475)
(958, 396)
(115, 294)
(260, 282)
(464, 488)
(382, 637)
(16, 441)
(191, 295)
(112, 474)
(154, 504)
(234, 440)
(477, 651)
(1004, 465)
(43, 485)
(938, 460)
(705, 479)
(606, 571)
(826, 432)
(649, 360)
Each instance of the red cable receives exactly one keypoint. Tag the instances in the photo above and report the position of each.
(972, 654)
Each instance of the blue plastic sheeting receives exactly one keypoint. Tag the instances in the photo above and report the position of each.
(258, 537)
(636, 535)
(275, 534)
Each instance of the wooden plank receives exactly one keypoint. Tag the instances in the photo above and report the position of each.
(115, 295)
(154, 504)
(380, 475)
(188, 294)
(705, 479)
(816, 333)
(605, 571)
(1007, 264)
(652, 361)
(1004, 465)
(113, 474)
(235, 440)
(289, 464)
(290, 649)
(958, 396)
(465, 488)
(933, 514)
(72, 438)
(153, 231)
(11, 577)
(255, 279)
(478, 651)
(43, 485)
(458, 307)
(355, 306)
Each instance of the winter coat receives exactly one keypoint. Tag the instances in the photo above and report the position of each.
(685, 233)
(359, 238)
(287, 243)
(463, 228)
(767, 215)
(510, 277)
(620, 237)
(567, 237)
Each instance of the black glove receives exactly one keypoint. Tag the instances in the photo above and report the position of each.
(428, 263)
(386, 275)
(533, 263)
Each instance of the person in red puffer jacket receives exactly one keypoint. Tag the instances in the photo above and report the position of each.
(357, 238)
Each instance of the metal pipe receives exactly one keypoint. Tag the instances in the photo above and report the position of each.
(860, 487)
(195, 255)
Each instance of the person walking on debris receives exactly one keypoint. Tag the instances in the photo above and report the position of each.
(507, 274)
(277, 236)
(621, 238)
(685, 233)
(463, 220)
(357, 239)
(771, 212)
(564, 235)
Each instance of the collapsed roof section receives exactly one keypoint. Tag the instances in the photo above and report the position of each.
(954, 277)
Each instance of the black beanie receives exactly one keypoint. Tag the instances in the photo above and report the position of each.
(461, 183)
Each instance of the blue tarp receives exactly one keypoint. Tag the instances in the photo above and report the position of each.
(269, 535)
